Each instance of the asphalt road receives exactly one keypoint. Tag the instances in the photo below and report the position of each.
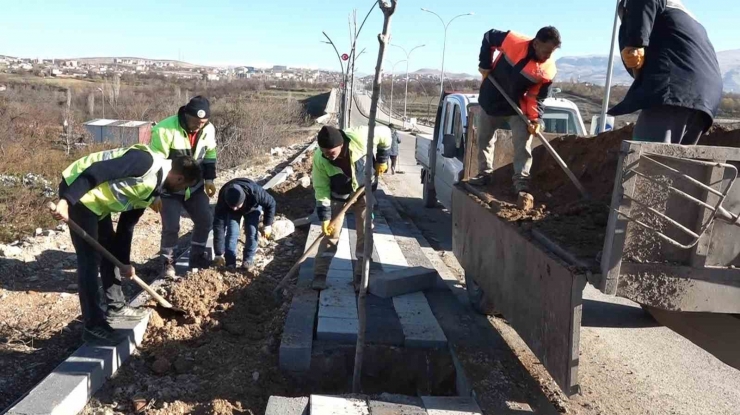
(628, 364)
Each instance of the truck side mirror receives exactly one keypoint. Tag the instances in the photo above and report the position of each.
(449, 146)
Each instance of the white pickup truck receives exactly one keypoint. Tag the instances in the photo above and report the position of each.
(440, 173)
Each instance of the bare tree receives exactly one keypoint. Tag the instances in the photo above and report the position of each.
(384, 40)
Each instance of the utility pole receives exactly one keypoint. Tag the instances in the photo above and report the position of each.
(444, 46)
(354, 57)
(383, 39)
(406, 95)
(102, 95)
(343, 102)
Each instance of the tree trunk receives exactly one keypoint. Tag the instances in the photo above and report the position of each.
(384, 39)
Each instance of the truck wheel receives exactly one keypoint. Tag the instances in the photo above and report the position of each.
(428, 193)
(478, 300)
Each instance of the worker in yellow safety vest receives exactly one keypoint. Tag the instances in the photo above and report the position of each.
(125, 180)
(337, 172)
(187, 133)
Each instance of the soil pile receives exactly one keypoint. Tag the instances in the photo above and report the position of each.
(560, 211)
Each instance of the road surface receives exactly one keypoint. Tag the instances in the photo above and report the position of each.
(628, 364)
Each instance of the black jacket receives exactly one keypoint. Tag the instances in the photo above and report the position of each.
(681, 67)
(256, 197)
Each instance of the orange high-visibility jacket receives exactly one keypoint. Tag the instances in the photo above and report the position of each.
(515, 69)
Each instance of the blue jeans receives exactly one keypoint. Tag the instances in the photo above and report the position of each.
(251, 223)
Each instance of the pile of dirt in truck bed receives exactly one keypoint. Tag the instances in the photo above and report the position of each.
(560, 211)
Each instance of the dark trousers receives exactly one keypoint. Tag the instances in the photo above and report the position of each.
(89, 262)
(670, 124)
(394, 163)
(251, 225)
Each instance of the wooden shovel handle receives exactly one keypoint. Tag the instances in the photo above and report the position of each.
(110, 257)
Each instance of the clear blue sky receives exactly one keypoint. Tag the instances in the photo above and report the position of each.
(288, 32)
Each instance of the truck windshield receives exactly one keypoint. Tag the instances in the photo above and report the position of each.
(559, 121)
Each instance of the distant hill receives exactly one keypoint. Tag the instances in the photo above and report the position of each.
(593, 69)
(111, 60)
(436, 72)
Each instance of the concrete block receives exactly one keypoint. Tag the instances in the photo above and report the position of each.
(337, 330)
(396, 404)
(338, 296)
(337, 405)
(297, 338)
(404, 281)
(389, 252)
(278, 405)
(420, 327)
(383, 326)
(69, 386)
(450, 405)
(342, 261)
(338, 312)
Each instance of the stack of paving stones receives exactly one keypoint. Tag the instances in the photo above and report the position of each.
(384, 404)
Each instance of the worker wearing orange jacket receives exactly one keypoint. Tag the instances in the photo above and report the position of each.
(525, 69)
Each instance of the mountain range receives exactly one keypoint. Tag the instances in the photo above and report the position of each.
(593, 69)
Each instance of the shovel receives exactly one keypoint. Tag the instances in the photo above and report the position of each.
(543, 140)
(311, 249)
(110, 257)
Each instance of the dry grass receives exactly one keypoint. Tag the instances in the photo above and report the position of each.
(249, 121)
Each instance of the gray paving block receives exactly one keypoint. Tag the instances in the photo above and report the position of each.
(278, 405)
(297, 338)
(383, 325)
(337, 330)
(338, 296)
(339, 275)
(450, 405)
(396, 405)
(69, 386)
(404, 281)
(420, 327)
(340, 263)
(337, 405)
(338, 312)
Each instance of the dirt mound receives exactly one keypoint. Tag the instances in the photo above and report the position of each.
(295, 199)
(561, 213)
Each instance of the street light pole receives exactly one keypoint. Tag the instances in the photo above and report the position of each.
(405, 97)
(393, 68)
(444, 45)
(342, 118)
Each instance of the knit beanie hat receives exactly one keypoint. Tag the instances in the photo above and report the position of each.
(234, 196)
(330, 137)
(198, 107)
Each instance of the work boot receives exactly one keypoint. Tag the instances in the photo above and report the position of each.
(480, 180)
(103, 334)
(199, 260)
(168, 268)
(319, 282)
(126, 313)
(248, 267)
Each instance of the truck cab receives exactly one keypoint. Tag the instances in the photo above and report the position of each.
(441, 169)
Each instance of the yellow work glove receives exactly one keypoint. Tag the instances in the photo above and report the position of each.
(156, 204)
(219, 261)
(327, 228)
(484, 73)
(267, 232)
(381, 168)
(633, 58)
(210, 188)
(534, 127)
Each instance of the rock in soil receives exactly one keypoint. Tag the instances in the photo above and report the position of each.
(525, 201)
(161, 366)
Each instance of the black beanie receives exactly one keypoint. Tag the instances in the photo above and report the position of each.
(198, 107)
(234, 196)
(330, 137)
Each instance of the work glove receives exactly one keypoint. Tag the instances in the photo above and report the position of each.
(219, 261)
(484, 73)
(327, 228)
(210, 188)
(634, 58)
(534, 127)
(267, 231)
(381, 168)
(156, 204)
